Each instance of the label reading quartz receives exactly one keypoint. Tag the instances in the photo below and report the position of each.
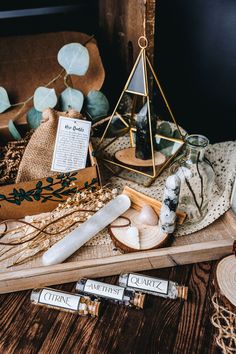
(104, 290)
(59, 299)
(141, 282)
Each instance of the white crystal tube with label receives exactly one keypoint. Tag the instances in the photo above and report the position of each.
(64, 301)
(153, 286)
(114, 293)
(77, 238)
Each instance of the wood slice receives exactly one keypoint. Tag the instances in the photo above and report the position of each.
(150, 237)
(127, 156)
(225, 281)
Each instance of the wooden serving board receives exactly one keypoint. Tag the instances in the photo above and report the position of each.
(212, 243)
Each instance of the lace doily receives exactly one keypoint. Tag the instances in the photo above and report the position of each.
(223, 158)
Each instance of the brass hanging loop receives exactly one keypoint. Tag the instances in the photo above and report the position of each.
(143, 42)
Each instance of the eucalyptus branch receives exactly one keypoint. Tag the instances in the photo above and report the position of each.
(58, 76)
(31, 97)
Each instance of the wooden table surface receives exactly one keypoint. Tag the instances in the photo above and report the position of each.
(164, 326)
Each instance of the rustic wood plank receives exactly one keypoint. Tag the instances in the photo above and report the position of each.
(25, 316)
(121, 23)
(192, 313)
(156, 332)
(207, 331)
(164, 326)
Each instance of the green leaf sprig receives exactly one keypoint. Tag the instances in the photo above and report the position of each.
(74, 59)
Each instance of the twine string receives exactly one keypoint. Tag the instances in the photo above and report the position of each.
(43, 229)
(225, 322)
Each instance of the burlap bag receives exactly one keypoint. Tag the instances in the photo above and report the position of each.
(37, 159)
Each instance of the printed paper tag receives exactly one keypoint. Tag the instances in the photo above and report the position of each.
(59, 299)
(156, 285)
(104, 290)
(71, 146)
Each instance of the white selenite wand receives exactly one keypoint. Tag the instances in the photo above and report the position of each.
(78, 237)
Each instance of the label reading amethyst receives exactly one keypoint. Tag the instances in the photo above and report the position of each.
(104, 290)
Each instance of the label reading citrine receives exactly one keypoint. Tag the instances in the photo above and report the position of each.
(59, 299)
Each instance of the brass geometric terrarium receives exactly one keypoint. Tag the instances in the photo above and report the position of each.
(136, 144)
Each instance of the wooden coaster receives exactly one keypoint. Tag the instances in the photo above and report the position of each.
(149, 236)
(225, 280)
(127, 156)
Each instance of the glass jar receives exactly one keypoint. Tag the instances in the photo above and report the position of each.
(197, 178)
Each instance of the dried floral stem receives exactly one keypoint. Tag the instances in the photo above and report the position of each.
(49, 230)
(201, 180)
(193, 194)
(41, 230)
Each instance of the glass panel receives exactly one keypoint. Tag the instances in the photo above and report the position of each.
(137, 83)
(118, 126)
(167, 147)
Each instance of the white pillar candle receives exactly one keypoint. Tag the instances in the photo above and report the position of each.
(78, 237)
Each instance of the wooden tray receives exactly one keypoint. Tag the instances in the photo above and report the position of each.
(212, 243)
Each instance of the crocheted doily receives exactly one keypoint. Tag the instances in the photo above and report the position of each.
(223, 158)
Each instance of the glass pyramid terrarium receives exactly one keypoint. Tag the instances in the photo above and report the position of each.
(137, 143)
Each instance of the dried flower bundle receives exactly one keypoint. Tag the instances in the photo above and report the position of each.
(36, 234)
(10, 158)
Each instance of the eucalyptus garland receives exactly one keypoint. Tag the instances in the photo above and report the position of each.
(74, 59)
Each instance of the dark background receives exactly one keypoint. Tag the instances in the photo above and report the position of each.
(196, 62)
(195, 52)
(38, 16)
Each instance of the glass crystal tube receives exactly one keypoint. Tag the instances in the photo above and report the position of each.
(153, 286)
(113, 293)
(61, 300)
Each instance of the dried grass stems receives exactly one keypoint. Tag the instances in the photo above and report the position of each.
(10, 158)
(37, 233)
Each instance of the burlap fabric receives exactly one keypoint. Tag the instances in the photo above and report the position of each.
(37, 159)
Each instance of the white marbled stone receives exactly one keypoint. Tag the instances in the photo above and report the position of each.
(170, 203)
(167, 216)
(173, 182)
